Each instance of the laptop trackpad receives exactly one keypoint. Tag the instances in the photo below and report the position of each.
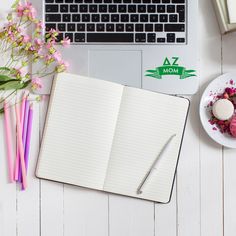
(124, 67)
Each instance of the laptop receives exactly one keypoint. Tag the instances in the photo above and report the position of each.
(142, 43)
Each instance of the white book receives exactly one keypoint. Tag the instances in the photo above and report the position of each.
(105, 136)
(221, 9)
(232, 11)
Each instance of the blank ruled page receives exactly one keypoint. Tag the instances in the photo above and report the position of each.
(146, 121)
(79, 131)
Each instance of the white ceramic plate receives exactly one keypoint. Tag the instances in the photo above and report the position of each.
(217, 86)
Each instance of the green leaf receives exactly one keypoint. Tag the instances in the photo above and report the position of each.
(4, 82)
(25, 84)
(5, 68)
(14, 5)
(10, 85)
(1, 110)
(14, 85)
(5, 78)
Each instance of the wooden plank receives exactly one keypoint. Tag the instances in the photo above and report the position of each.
(8, 191)
(229, 191)
(85, 212)
(229, 58)
(166, 216)
(188, 176)
(128, 216)
(51, 208)
(5, 7)
(28, 202)
(211, 187)
(51, 194)
(192, 213)
(210, 152)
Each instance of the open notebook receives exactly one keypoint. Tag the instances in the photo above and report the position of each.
(105, 136)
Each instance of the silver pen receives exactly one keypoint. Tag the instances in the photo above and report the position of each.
(153, 166)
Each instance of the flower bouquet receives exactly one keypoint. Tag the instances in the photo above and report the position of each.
(22, 44)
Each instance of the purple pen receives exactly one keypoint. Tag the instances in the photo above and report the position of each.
(28, 136)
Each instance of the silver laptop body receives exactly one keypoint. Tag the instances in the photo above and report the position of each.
(142, 43)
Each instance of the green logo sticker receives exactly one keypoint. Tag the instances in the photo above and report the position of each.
(170, 69)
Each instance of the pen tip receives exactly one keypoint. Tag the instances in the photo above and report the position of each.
(26, 94)
(139, 192)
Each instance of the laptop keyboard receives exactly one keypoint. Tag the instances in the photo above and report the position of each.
(118, 21)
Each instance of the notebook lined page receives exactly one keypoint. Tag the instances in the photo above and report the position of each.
(79, 131)
(146, 121)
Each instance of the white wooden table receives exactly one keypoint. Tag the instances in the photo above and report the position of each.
(204, 197)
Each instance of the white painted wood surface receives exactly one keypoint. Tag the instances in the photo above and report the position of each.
(204, 196)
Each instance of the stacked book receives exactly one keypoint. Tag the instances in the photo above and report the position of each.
(226, 14)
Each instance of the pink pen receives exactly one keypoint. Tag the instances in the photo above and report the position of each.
(17, 163)
(21, 148)
(8, 141)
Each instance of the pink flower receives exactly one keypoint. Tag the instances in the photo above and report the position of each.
(18, 29)
(18, 72)
(66, 64)
(38, 42)
(10, 34)
(48, 57)
(30, 10)
(52, 35)
(39, 24)
(40, 51)
(20, 10)
(52, 31)
(26, 10)
(63, 66)
(32, 48)
(36, 83)
(65, 42)
(48, 45)
(15, 34)
(57, 56)
(26, 38)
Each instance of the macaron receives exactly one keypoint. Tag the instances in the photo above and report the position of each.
(232, 127)
(223, 109)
